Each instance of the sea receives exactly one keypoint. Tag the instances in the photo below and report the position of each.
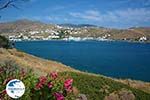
(125, 60)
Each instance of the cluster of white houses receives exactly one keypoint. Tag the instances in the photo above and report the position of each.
(35, 35)
(39, 35)
(52, 34)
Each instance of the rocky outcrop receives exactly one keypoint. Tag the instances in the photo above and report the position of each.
(121, 95)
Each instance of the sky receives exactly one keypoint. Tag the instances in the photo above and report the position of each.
(105, 13)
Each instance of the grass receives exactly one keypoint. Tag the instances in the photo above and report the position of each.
(39, 66)
(97, 87)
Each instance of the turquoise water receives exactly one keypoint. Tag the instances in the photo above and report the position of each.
(114, 59)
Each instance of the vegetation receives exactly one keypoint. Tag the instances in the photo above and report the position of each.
(50, 87)
(9, 71)
(98, 87)
(60, 86)
(63, 33)
(40, 66)
(4, 42)
(92, 86)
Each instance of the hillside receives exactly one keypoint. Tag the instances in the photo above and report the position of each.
(102, 88)
(39, 66)
(77, 25)
(34, 30)
(22, 26)
(93, 86)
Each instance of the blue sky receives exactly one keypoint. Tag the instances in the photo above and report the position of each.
(106, 13)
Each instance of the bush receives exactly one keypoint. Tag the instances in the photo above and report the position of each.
(50, 87)
(97, 87)
(9, 71)
(4, 42)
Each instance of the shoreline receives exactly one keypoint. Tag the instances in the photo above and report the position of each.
(123, 41)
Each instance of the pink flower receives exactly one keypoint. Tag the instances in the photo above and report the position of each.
(68, 85)
(1, 70)
(59, 96)
(43, 79)
(39, 86)
(54, 75)
(50, 85)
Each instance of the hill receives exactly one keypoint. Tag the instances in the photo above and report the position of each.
(22, 26)
(34, 30)
(39, 66)
(77, 25)
(102, 88)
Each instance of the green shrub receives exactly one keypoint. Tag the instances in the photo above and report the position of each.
(50, 87)
(97, 87)
(8, 71)
(4, 42)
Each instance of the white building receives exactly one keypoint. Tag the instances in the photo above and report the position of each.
(33, 32)
(53, 37)
(143, 38)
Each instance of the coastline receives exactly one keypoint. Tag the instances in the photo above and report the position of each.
(26, 61)
(123, 41)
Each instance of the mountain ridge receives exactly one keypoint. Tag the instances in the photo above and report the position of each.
(68, 24)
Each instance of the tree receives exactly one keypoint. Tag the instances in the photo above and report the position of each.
(4, 42)
(10, 3)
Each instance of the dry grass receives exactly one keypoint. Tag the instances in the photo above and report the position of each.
(145, 86)
(40, 66)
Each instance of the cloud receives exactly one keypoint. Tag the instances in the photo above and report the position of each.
(89, 15)
(130, 15)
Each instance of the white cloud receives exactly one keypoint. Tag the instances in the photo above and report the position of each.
(130, 15)
(90, 15)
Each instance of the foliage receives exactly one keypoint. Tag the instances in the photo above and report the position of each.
(50, 87)
(63, 33)
(4, 42)
(97, 87)
(9, 71)
(59, 86)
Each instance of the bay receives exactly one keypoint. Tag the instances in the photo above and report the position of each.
(109, 58)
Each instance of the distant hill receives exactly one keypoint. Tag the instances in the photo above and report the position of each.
(77, 25)
(23, 26)
(81, 30)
